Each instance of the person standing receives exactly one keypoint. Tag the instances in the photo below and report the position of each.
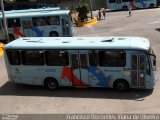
(99, 14)
(104, 13)
(130, 9)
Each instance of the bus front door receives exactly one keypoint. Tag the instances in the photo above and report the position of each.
(79, 69)
(138, 70)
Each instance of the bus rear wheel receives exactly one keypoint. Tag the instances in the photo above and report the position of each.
(125, 8)
(51, 83)
(151, 5)
(53, 34)
(121, 85)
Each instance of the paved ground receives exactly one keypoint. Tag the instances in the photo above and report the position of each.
(30, 99)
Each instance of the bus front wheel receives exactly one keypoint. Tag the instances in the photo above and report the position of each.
(51, 83)
(121, 85)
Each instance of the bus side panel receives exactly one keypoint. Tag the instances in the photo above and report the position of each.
(53, 72)
(105, 76)
(115, 73)
(48, 29)
(24, 75)
(66, 76)
(125, 4)
(98, 78)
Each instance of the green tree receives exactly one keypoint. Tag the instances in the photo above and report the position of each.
(83, 10)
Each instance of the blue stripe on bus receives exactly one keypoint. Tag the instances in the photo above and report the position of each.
(38, 32)
(143, 4)
(103, 80)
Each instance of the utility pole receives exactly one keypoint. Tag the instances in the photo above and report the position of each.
(90, 1)
(4, 22)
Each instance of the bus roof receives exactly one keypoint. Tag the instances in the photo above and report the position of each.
(84, 43)
(39, 13)
(32, 10)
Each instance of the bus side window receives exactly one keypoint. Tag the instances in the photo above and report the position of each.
(57, 58)
(26, 24)
(112, 58)
(15, 22)
(33, 57)
(39, 21)
(14, 57)
(53, 20)
(93, 59)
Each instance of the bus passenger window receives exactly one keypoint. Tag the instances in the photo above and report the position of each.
(53, 20)
(33, 57)
(15, 22)
(39, 21)
(57, 58)
(26, 24)
(93, 61)
(14, 57)
(112, 58)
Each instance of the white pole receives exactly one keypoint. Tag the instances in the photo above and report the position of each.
(4, 22)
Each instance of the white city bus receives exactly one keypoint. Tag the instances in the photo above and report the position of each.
(114, 62)
(46, 22)
(134, 4)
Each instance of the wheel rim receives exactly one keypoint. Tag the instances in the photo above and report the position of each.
(124, 8)
(51, 85)
(53, 35)
(120, 86)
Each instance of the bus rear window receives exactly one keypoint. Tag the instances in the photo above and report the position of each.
(33, 57)
(13, 57)
(112, 58)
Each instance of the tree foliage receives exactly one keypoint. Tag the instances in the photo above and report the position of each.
(83, 10)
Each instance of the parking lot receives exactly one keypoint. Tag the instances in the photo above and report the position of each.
(17, 99)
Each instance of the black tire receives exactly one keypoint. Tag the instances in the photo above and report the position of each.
(125, 8)
(121, 85)
(53, 34)
(151, 5)
(51, 83)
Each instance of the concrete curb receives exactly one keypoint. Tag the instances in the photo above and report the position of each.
(86, 23)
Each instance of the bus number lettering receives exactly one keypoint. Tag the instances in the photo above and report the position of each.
(50, 70)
